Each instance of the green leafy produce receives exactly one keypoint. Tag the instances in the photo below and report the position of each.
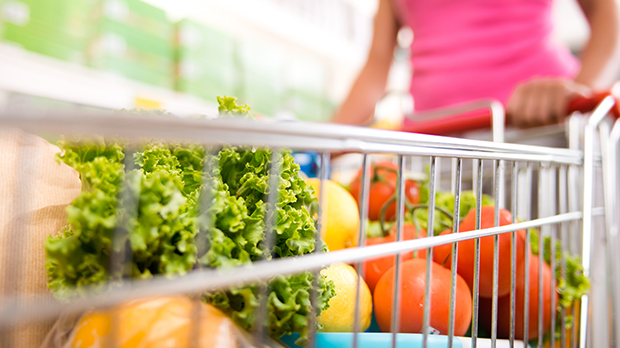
(168, 185)
(446, 201)
(571, 288)
(373, 228)
(228, 107)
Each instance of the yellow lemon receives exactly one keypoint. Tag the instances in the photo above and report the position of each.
(340, 316)
(340, 218)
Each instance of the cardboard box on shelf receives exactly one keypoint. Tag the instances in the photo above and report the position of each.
(35, 43)
(69, 18)
(201, 42)
(137, 45)
(205, 61)
(135, 71)
(136, 14)
(124, 42)
(205, 79)
(128, 37)
(57, 28)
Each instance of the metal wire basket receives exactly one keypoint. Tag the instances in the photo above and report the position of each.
(564, 191)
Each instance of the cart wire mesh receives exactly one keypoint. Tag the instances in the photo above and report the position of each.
(561, 180)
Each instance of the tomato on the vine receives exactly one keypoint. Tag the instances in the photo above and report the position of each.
(383, 179)
(375, 268)
(466, 252)
(412, 286)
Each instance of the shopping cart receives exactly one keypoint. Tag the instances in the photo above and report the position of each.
(612, 213)
(466, 120)
(564, 174)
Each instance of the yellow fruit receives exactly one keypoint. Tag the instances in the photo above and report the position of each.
(340, 218)
(387, 124)
(156, 323)
(340, 316)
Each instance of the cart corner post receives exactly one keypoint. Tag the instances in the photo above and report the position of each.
(598, 115)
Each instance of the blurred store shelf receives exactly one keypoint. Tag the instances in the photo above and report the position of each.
(32, 74)
(337, 31)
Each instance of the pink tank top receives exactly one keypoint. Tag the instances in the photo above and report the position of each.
(465, 50)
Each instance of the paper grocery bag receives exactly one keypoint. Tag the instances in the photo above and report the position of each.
(34, 191)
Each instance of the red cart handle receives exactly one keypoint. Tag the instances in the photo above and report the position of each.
(454, 119)
(478, 115)
(587, 104)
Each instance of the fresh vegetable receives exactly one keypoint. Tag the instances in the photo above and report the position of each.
(413, 280)
(340, 316)
(158, 323)
(446, 201)
(503, 305)
(571, 288)
(466, 252)
(158, 220)
(340, 217)
(383, 179)
(567, 291)
(375, 268)
(576, 283)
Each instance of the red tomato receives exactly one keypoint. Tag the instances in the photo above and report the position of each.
(503, 305)
(485, 314)
(382, 188)
(374, 268)
(412, 299)
(466, 252)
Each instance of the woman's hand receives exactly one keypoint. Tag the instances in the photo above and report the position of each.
(542, 101)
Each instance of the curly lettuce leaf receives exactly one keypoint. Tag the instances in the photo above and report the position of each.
(288, 302)
(244, 173)
(228, 108)
(571, 288)
(160, 234)
(168, 203)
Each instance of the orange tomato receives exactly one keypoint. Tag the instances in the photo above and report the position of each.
(503, 305)
(412, 288)
(466, 252)
(375, 268)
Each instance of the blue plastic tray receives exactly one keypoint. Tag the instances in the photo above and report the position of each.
(373, 340)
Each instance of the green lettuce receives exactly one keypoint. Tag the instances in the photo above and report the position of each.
(155, 209)
(572, 287)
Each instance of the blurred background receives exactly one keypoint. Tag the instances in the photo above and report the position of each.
(285, 58)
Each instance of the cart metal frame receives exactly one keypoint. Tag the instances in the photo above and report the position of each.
(559, 169)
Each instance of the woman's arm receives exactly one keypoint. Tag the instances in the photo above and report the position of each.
(544, 101)
(600, 58)
(359, 105)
